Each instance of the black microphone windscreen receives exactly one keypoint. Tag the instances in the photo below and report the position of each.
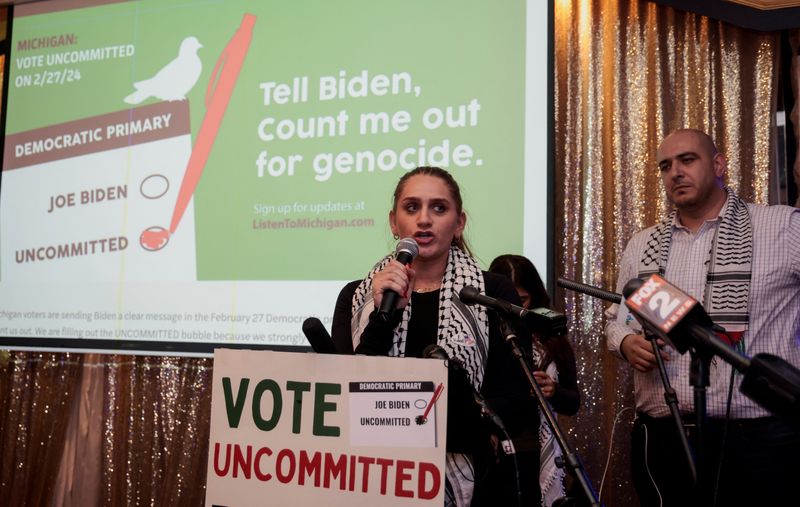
(318, 337)
(405, 252)
(435, 352)
(632, 286)
(468, 295)
(589, 290)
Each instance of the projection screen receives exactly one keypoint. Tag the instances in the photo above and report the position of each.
(188, 174)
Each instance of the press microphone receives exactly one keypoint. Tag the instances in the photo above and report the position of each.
(543, 320)
(589, 290)
(631, 286)
(405, 252)
(318, 337)
(434, 351)
(634, 284)
(669, 313)
(769, 380)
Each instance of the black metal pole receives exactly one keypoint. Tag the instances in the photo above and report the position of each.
(571, 460)
(671, 398)
(699, 379)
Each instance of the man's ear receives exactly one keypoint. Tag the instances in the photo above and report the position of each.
(720, 166)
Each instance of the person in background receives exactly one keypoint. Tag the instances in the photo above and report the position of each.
(562, 391)
(553, 361)
(742, 262)
(427, 207)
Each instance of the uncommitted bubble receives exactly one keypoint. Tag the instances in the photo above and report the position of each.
(154, 238)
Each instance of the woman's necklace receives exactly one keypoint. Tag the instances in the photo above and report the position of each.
(428, 288)
(429, 278)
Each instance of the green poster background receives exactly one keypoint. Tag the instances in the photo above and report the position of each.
(455, 51)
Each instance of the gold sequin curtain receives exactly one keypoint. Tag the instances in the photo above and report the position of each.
(36, 397)
(156, 415)
(86, 430)
(626, 73)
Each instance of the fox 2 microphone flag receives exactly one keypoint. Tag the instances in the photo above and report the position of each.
(668, 312)
(769, 380)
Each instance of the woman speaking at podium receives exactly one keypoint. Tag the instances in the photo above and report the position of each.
(427, 207)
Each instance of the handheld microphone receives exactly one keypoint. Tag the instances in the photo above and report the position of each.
(405, 252)
(544, 320)
(318, 337)
(434, 351)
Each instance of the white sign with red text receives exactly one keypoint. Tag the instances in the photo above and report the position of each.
(292, 428)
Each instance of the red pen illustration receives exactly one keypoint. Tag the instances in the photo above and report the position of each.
(218, 95)
(422, 419)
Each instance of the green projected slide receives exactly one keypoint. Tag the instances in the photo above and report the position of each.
(212, 172)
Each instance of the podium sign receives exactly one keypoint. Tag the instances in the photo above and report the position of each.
(290, 428)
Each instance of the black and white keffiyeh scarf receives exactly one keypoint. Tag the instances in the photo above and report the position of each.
(463, 330)
(729, 264)
(551, 476)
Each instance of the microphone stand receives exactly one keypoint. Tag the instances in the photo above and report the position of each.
(699, 380)
(769, 380)
(512, 453)
(671, 398)
(571, 460)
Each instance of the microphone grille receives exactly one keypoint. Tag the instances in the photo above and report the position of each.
(407, 245)
(631, 287)
(434, 351)
(468, 295)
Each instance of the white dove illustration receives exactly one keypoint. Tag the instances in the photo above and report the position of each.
(175, 80)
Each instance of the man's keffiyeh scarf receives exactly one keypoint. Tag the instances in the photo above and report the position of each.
(729, 265)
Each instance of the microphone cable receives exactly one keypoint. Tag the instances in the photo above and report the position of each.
(728, 403)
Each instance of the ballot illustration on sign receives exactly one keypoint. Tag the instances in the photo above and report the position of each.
(142, 167)
(395, 414)
(218, 95)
